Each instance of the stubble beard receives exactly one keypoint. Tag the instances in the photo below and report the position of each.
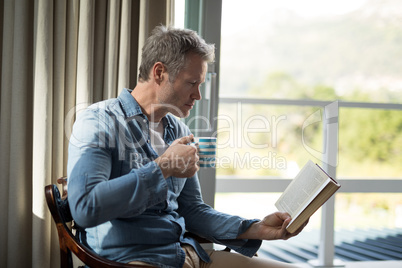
(169, 102)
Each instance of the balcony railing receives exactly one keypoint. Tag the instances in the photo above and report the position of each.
(330, 132)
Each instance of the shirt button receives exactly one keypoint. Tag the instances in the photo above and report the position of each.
(144, 120)
(148, 141)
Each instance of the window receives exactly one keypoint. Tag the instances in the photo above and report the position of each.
(281, 63)
(279, 59)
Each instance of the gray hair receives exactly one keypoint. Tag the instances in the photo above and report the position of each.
(170, 46)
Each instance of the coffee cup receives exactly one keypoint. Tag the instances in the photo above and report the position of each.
(206, 147)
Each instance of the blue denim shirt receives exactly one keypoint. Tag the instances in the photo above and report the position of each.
(124, 206)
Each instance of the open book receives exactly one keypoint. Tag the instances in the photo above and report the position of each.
(308, 191)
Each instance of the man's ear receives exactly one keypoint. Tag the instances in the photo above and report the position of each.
(158, 72)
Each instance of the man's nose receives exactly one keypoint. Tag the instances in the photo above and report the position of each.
(197, 95)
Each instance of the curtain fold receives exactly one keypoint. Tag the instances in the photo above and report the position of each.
(123, 80)
(71, 23)
(101, 11)
(5, 123)
(111, 50)
(16, 144)
(42, 130)
(84, 93)
(58, 137)
(57, 57)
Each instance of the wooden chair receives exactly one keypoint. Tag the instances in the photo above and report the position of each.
(68, 243)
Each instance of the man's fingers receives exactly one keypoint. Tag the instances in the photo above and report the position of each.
(282, 215)
(185, 139)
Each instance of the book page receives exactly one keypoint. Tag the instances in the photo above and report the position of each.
(302, 190)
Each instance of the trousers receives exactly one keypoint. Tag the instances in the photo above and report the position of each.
(225, 259)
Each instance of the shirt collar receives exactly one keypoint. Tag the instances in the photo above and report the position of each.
(131, 107)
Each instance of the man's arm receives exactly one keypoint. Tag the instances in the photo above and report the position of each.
(94, 198)
(272, 227)
(238, 233)
(216, 226)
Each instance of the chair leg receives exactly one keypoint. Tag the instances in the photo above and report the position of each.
(66, 260)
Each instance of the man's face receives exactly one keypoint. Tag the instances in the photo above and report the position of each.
(180, 96)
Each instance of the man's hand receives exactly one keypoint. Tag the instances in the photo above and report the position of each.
(271, 227)
(179, 160)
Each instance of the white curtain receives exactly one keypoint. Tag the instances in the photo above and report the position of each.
(56, 58)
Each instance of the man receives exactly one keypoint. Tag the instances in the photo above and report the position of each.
(132, 182)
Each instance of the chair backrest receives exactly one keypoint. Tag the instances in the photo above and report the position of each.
(61, 214)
